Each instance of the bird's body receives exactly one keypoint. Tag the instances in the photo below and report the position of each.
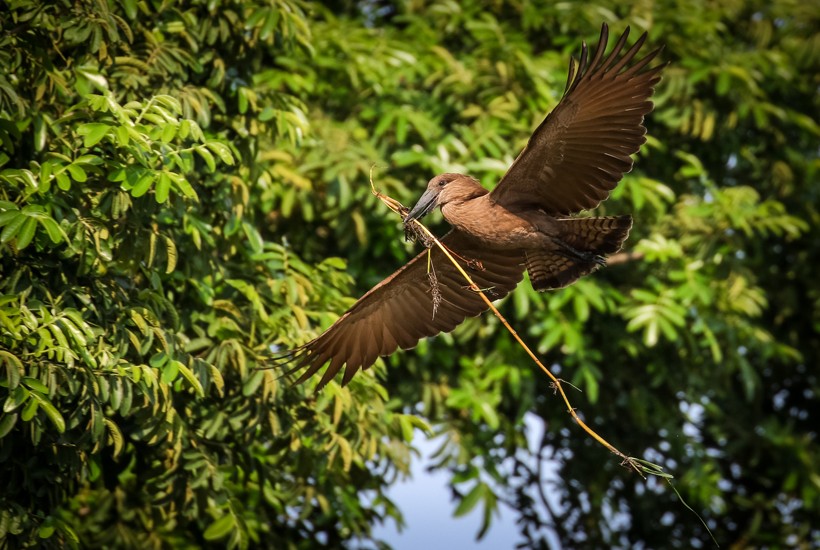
(498, 226)
(557, 249)
(493, 224)
(572, 162)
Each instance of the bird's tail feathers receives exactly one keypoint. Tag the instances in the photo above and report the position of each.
(599, 236)
(585, 242)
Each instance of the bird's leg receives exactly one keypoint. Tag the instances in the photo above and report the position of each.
(573, 253)
(472, 263)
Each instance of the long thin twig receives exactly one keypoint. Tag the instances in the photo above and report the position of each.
(397, 207)
(642, 467)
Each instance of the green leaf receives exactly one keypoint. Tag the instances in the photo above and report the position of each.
(123, 136)
(168, 133)
(7, 422)
(94, 132)
(255, 239)
(12, 227)
(26, 233)
(217, 379)
(253, 382)
(220, 528)
(162, 189)
(30, 410)
(77, 173)
(16, 398)
(591, 384)
(143, 184)
(50, 410)
(36, 385)
(115, 435)
(222, 151)
(170, 254)
(191, 378)
(169, 101)
(243, 100)
(207, 157)
(46, 529)
(13, 367)
(267, 114)
(170, 371)
(63, 182)
(488, 414)
(406, 427)
(184, 128)
(8, 215)
(33, 209)
(55, 233)
(183, 186)
(470, 500)
(70, 533)
(158, 360)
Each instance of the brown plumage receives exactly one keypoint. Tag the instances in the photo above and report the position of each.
(572, 162)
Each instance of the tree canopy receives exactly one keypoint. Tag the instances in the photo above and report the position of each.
(184, 191)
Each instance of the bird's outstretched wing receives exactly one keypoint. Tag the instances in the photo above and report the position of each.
(400, 310)
(582, 148)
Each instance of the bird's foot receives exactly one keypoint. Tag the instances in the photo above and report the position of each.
(583, 255)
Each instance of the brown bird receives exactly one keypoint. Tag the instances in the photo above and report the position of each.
(571, 163)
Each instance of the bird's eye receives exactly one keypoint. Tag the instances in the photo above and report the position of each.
(442, 183)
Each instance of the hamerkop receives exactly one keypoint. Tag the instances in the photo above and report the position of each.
(571, 163)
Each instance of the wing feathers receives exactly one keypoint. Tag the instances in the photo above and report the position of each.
(613, 63)
(398, 312)
(585, 145)
(599, 49)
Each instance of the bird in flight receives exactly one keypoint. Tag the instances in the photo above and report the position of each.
(573, 160)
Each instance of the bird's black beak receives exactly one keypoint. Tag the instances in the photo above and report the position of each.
(424, 206)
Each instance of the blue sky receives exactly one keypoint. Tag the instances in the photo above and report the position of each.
(425, 500)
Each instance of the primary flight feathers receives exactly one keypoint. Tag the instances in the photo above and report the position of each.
(571, 163)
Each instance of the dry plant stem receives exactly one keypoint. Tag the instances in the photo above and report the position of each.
(640, 466)
(397, 207)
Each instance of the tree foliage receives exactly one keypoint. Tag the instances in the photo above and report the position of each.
(178, 181)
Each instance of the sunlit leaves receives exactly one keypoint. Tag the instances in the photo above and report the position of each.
(50, 410)
(13, 365)
(23, 179)
(220, 528)
(152, 134)
(15, 399)
(645, 192)
(19, 226)
(93, 133)
(13, 225)
(655, 315)
(190, 377)
(99, 227)
(285, 18)
(478, 395)
(657, 248)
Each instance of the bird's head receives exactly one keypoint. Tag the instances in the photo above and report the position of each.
(442, 189)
